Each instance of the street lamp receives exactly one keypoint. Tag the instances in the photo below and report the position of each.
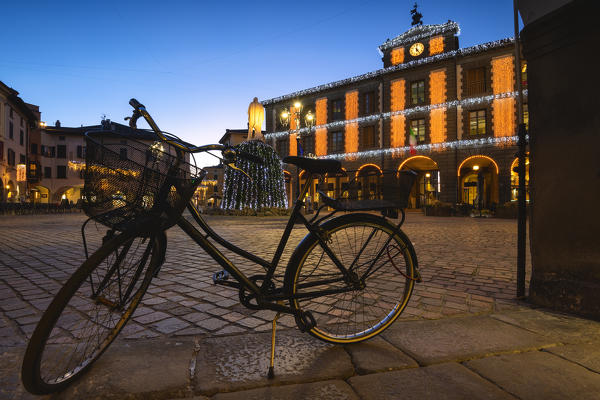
(294, 114)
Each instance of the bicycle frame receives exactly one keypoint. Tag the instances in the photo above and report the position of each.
(272, 302)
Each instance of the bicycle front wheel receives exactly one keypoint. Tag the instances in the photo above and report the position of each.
(89, 311)
(356, 306)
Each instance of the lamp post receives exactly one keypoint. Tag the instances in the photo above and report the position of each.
(295, 114)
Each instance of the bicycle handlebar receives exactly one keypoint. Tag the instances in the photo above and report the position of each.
(140, 110)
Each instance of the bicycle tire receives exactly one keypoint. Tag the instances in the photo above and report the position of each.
(76, 317)
(352, 315)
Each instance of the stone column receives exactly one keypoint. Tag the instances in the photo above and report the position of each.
(561, 49)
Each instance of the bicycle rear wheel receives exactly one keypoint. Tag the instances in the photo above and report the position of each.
(347, 309)
(89, 311)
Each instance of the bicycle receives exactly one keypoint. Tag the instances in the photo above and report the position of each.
(348, 280)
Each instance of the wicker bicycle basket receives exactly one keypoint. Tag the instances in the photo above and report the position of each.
(129, 179)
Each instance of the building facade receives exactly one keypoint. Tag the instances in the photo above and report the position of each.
(450, 114)
(17, 121)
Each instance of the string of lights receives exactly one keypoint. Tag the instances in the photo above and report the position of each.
(474, 101)
(431, 147)
(420, 32)
(373, 74)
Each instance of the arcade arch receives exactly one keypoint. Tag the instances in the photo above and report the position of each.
(427, 184)
(478, 181)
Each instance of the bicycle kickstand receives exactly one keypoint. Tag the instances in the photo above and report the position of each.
(271, 373)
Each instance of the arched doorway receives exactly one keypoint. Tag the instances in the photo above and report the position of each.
(67, 195)
(370, 179)
(40, 194)
(478, 180)
(514, 179)
(427, 184)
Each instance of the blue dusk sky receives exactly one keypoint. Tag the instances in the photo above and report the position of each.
(196, 65)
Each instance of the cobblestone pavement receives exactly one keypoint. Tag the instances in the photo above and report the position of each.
(467, 265)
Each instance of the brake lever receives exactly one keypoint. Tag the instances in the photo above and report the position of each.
(233, 166)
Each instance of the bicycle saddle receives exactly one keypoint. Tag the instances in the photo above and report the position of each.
(313, 165)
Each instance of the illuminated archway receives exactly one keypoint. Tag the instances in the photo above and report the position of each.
(368, 165)
(427, 184)
(478, 181)
(479, 156)
(41, 194)
(11, 191)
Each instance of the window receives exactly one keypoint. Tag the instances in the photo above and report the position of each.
(10, 130)
(369, 103)
(308, 145)
(123, 153)
(526, 115)
(477, 122)
(61, 171)
(417, 92)
(22, 123)
(22, 159)
(524, 73)
(21, 137)
(11, 157)
(1, 150)
(81, 151)
(48, 151)
(337, 110)
(10, 112)
(61, 138)
(368, 137)
(32, 170)
(417, 127)
(47, 172)
(33, 148)
(61, 151)
(475, 81)
(337, 142)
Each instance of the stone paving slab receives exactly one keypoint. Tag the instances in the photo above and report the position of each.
(562, 327)
(450, 381)
(377, 355)
(327, 390)
(461, 338)
(10, 375)
(586, 355)
(539, 375)
(241, 362)
(145, 369)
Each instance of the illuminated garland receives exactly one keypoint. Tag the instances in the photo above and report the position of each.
(457, 144)
(474, 101)
(397, 56)
(369, 75)
(351, 130)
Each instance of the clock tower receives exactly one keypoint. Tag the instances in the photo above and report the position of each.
(421, 41)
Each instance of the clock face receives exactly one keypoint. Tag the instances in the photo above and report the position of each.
(416, 49)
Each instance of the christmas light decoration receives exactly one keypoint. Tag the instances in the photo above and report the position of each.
(437, 88)
(473, 101)
(397, 56)
(397, 88)
(263, 187)
(407, 65)
(478, 156)
(433, 147)
(321, 120)
(436, 45)
(351, 130)
(368, 165)
(397, 130)
(293, 144)
(503, 110)
(415, 158)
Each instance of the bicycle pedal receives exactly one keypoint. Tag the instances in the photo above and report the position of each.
(220, 277)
